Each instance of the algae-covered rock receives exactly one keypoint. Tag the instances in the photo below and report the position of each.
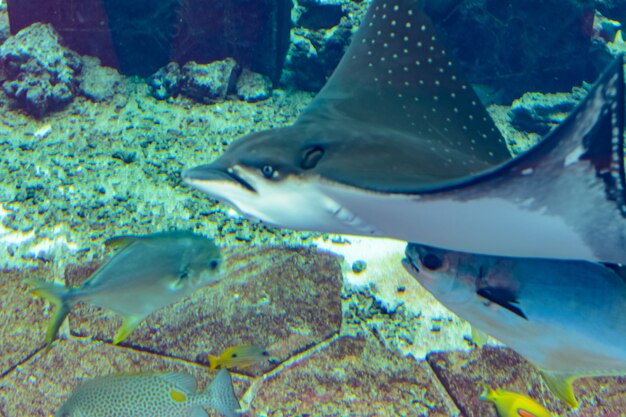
(211, 82)
(252, 86)
(539, 113)
(314, 54)
(166, 82)
(322, 32)
(41, 74)
(354, 377)
(96, 82)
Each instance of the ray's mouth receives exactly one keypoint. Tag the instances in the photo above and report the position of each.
(245, 184)
(207, 173)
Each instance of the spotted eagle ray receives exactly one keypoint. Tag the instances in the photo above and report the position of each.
(397, 144)
(564, 316)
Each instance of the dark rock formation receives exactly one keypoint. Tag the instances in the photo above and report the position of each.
(41, 74)
(254, 32)
(252, 86)
(320, 15)
(165, 83)
(539, 113)
(139, 37)
(314, 55)
(211, 82)
(520, 45)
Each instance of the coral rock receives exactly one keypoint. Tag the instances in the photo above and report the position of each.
(211, 82)
(41, 74)
(97, 82)
(252, 86)
(539, 113)
(165, 83)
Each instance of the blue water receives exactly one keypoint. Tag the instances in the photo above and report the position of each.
(105, 103)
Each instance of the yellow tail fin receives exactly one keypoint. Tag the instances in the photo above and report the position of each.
(57, 295)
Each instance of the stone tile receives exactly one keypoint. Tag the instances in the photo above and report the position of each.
(460, 373)
(38, 387)
(353, 377)
(282, 298)
(22, 322)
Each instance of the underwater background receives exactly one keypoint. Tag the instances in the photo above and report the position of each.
(104, 103)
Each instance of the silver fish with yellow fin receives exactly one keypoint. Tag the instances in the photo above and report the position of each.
(148, 273)
(151, 395)
(565, 317)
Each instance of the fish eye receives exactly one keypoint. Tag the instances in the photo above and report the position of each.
(268, 171)
(311, 157)
(213, 265)
(432, 262)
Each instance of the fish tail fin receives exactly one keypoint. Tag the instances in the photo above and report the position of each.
(214, 362)
(59, 296)
(220, 395)
(560, 385)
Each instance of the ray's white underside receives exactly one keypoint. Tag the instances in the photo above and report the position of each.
(480, 225)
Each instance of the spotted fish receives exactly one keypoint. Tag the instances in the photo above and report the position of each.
(397, 144)
(567, 317)
(150, 395)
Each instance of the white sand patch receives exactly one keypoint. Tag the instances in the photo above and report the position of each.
(43, 247)
(434, 327)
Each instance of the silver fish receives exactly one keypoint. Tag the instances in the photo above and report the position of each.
(148, 272)
(566, 317)
(397, 144)
(150, 395)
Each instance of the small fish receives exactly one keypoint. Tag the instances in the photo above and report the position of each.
(150, 395)
(148, 272)
(565, 317)
(241, 356)
(512, 404)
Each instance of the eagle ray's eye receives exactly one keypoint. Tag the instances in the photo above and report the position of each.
(268, 171)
